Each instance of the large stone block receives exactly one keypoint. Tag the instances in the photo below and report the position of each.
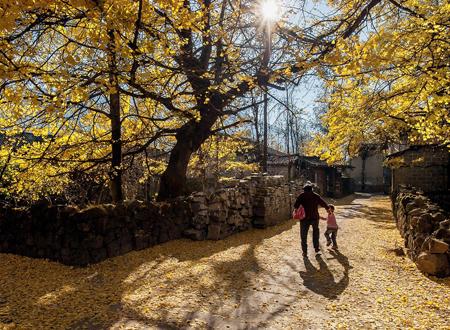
(113, 248)
(198, 206)
(235, 219)
(125, 246)
(416, 212)
(438, 217)
(433, 264)
(98, 255)
(141, 240)
(417, 243)
(434, 245)
(445, 224)
(79, 257)
(195, 234)
(93, 241)
(442, 233)
(215, 205)
(214, 232)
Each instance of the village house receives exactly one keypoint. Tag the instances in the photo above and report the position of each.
(425, 167)
(328, 179)
(367, 170)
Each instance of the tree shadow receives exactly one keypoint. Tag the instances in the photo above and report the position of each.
(191, 250)
(347, 200)
(238, 290)
(322, 280)
(372, 213)
(233, 298)
(41, 294)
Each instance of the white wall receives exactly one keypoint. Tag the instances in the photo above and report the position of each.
(373, 172)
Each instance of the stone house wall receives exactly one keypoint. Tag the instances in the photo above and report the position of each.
(281, 168)
(424, 167)
(80, 237)
(426, 230)
(328, 179)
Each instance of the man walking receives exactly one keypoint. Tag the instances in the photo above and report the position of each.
(310, 202)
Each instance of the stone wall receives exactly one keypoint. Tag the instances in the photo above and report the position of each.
(79, 237)
(426, 230)
(257, 201)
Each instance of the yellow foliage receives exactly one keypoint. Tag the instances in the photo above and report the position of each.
(57, 84)
(222, 155)
(390, 84)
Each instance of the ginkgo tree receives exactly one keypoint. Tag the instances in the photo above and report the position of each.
(99, 82)
(389, 83)
(62, 66)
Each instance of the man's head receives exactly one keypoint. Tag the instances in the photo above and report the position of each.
(308, 186)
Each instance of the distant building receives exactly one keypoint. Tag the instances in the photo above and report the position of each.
(281, 163)
(327, 178)
(423, 167)
(367, 171)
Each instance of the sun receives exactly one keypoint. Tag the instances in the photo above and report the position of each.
(270, 10)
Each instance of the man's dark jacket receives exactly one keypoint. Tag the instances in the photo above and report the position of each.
(310, 201)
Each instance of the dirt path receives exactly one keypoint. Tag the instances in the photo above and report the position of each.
(256, 279)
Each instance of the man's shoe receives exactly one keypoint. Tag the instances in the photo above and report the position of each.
(335, 247)
(328, 243)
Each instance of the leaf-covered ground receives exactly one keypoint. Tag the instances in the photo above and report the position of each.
(256, 279)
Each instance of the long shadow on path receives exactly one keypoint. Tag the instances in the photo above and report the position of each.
(38, 294)
(322, 280)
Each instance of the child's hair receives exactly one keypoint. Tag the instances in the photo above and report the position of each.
(331, 207)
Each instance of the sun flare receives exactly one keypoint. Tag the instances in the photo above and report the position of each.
(270, 10)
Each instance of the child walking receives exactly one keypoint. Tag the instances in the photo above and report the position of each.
(332, 227)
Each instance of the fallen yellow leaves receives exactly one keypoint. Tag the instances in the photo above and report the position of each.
(255, 279)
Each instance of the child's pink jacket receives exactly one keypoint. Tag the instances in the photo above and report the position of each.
(331, 222)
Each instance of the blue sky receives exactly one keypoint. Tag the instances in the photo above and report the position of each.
(305, 95)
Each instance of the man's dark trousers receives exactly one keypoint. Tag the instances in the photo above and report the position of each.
(304, 228)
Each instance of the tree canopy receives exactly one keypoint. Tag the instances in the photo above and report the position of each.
(100, 81)
(390, 82)
(102, 84)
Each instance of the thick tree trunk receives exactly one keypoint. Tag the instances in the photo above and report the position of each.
(189, 139)
(173, 180)
(116, 136)
(116, 146)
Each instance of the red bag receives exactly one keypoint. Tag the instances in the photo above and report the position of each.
(298, 214)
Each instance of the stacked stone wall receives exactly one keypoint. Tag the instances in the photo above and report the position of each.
(425, 226)
(80, 237)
